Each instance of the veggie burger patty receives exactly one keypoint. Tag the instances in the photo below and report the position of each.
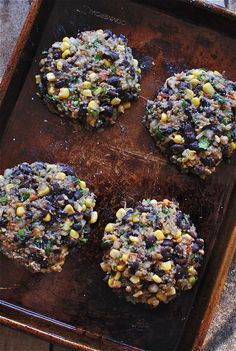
(193, 120)
(152, 252)
(91, 78)
(45, 210)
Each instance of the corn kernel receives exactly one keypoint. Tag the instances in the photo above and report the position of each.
(216, 73)
(42, 62)
(87, 85)
(18, 204)
(156, 278)
(87, 92)
(208, 89)
(50, 77)
(93, 105)
(104, 267)
(127, 105)
(232, 146)
(135, 218)
(138, 293)
(112, 237)
(109, 228)
(82, 184)
(116, 284)
(178, 234)
(8, 187)
(164, 117)
(66, 39)
(110, 282)
(83, 208)
(171, 291)
(20, 211)
(121, 109)
(98, 91)
(69, 209)
(191, 270)
(74, 234)
(153, 202)
(192, 280)
(115, 101)
(166, 266)
(67, 224)
(195, 101)
(194, 82)
(61, 263)
(38, 79)
(47, 218)
(117, 276)
(44, 191)
(65, 46)
(162, 297)
(121, 267)
(189, 94)
(115, 253)
(178, 139)
(93, 76)
(64, 93)
(94, 217)
(59, 65)
(106, 63)
(159, 234)
(60, 176)
(135, 62)
(120, 48)
(51, 90)
(134, 279)
(144, 218)
(120, 213)
(134, 239)
(125, 257)
(65, 54)
(89, 202)
(197, 72)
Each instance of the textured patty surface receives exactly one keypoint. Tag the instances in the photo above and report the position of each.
(152, 252)
(193, 120)
(91, 78)
(45, 210)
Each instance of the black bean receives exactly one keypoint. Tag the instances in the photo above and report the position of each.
(108, 33)
(188, 128)
(67, 169)
(77, 194)
(55, 187)
(113, 80)
(208, 161)
(184, 85)
(180, 272)
(234, 133)
(77, 226)
(125, 63)
(56, 55)
(190, 137)
(180, 261)
(111, 55)
(133, 267)
(200, 243)
(165, 90)
(108, 111)
(150, 240)
(113, 93)
(179, 250)
(61, 83)
(82, 110)
(123, 38)
(177, 149)
(167, 130)
(195, 247)
(28, 214)
(40, 165)
(166, 252)
(194, 146)
(168, 242)
(26, 169)
(87, 215)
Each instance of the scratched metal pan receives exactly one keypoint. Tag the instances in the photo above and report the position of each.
(75, 307)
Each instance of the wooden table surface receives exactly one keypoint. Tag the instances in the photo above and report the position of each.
(221, 335)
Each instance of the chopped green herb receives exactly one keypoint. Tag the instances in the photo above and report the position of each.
(22, 234)
(203, 143)
(3, 199)
(229, 134)
(166, 210)
(95, 113)
(48, 248)
(97, 57)
(122, 232)
(96, 43)
(221, 101)
(127, 80)
(225, 122)
(184, 104)
(84, 240)
(159, 135)
(25, 196)
(113, 70)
